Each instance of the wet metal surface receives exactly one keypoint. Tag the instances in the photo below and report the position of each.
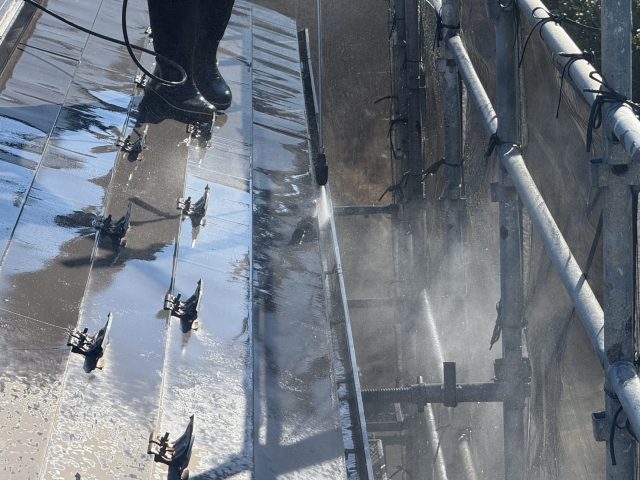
(57, 192)
(297, 430)
(265, 407)
(208, 370)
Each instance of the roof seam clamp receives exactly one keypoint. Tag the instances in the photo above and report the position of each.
(174, 454)
(142, 81)
(188, 312)
(91, 346)
(115, 230)
(198, 210)
(133, 148)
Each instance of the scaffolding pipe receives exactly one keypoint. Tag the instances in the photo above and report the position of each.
(511, 276)
(474, 85)
(435, 442)
(464, 450)
(452, 92)
(618, 233)
(573, 279)
(622, 120)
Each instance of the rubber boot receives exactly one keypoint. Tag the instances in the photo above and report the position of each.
(214, 17)
(172, 27)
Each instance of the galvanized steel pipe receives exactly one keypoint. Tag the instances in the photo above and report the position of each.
(573, 279)
(623, 122)
(474, 85)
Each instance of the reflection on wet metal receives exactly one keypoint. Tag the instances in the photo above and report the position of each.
(117, 230)
(189, 311)
(174, 454)
(50, 101)
(196, 210)
(296, 420)
(80, 153)
(91, 346)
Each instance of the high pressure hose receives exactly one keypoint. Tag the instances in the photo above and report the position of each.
(126, 43)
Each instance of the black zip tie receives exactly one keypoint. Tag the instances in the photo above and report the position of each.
(610, 394)
(404, 179)
(612, 433)
(433, 168)
(439, 33)
(556, 18)
(573, 58)
(605, 94)
(497, 330)
(423, 174)
(386, 97)
(494, 141)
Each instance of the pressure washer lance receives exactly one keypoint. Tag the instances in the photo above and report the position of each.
(320, 162)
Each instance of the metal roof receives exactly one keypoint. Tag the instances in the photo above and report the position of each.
(258, 372)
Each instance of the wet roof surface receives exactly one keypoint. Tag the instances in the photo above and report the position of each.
(257, 372)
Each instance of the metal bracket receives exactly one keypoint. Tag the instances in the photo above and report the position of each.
(523, 369)
(199, 129)
(450, 385)
(115, 230)
(604, 174)
(600, 426)
(142, 81)
(187, 311)
(175, 454)
(197, 210)
(133, 147)
(90, 345)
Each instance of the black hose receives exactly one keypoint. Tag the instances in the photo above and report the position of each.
(126, 43)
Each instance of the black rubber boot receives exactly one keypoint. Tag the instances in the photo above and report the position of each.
(214, 17)
(174, 36)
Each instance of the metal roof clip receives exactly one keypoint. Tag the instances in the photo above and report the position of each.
(134, 144)
(93, 346)
(188, 312)
(142, 80)
(175, 454)
(115, 230)
(198, 210)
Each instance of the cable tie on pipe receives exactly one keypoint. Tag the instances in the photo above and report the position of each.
(386, 97)
(610, 394)
(398, 187)
(494, 142)
(497, 330)
(605, 95)
(557, 18)
(439, 33)
(573, 58)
